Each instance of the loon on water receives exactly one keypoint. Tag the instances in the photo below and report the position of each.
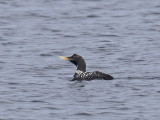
(81, 73)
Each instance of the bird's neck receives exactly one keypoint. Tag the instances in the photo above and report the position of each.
(81, 66)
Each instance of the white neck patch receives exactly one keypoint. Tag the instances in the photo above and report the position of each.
(79, 72)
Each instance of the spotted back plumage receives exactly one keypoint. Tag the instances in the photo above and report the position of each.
(80, 75)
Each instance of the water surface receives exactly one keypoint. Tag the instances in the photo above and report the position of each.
(118, 37)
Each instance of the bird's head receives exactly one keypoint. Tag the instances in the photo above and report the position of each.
(77, 60)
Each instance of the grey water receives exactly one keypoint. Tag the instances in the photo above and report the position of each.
(118, 37)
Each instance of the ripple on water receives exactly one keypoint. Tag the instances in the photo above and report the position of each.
(84, 114)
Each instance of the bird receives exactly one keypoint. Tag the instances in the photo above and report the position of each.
(81, 73)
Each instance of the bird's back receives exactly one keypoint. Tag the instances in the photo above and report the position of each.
(80, 75)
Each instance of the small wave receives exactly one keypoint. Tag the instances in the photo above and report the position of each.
(2, 2)
(8, 43)
(70, 36)
(47, 54)
(37, 101)
(52, 108)
(2, 62)
(52, 30)
(49, 67)
(106, 35)
(84, 114)
(142, 78)
(92, 16)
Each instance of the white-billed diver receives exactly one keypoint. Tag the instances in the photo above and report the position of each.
(81, 73)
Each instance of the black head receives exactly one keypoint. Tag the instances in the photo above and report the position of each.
(77, 60)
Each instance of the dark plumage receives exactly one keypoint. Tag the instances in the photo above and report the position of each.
(81, 73)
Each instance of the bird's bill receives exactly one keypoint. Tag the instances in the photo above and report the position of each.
(65, 58)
